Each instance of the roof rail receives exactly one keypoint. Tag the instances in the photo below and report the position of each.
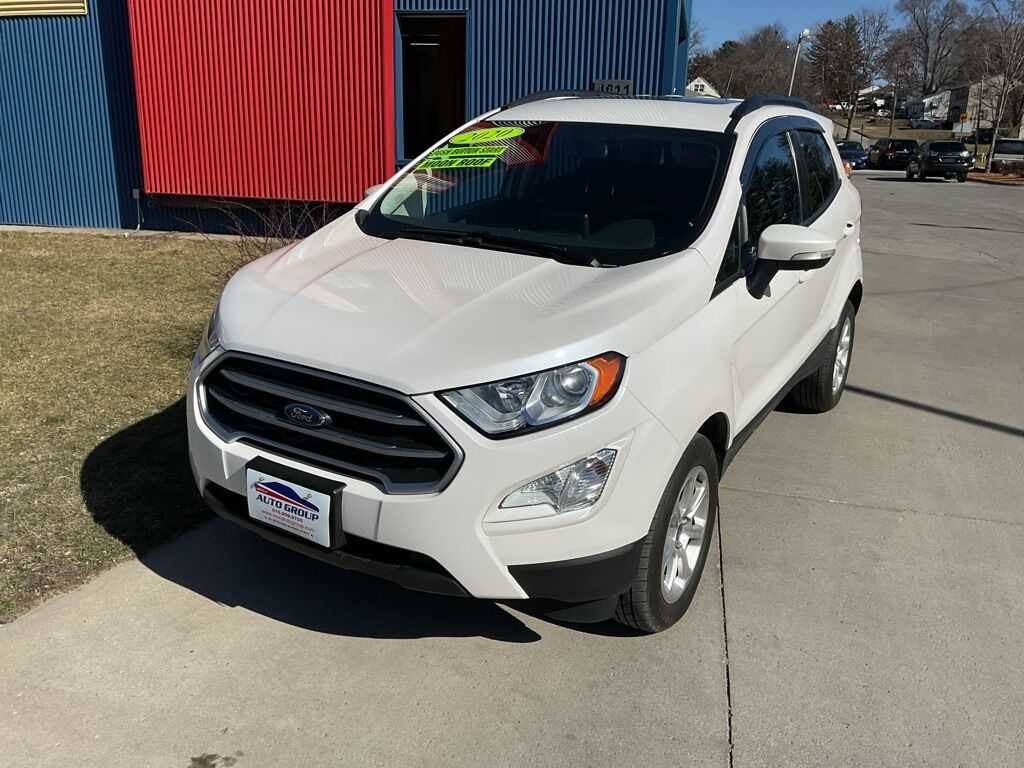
(564, 94)
(752, 103)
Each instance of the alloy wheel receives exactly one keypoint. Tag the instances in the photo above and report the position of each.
(842, 356)
(687, 530)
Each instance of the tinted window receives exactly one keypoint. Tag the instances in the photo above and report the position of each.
(908, 144)
(854, 145)
(1010, 146)
(772, 194)
(618, 194)
(946, 146)
(822, 177)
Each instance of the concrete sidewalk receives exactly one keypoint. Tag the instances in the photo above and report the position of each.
(871, 612)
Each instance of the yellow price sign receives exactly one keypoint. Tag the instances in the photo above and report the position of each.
(486, 135)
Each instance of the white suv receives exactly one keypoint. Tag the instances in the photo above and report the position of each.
(519, 368)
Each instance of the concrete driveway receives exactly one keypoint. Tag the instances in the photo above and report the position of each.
(870, 610)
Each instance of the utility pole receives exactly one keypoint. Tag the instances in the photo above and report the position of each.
(729, 84)
(805, 35)
(892, 111)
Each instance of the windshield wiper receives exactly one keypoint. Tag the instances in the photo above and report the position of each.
(481, 238)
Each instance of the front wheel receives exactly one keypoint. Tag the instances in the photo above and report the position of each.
(677, 544)
(821, 391)
(962, 177)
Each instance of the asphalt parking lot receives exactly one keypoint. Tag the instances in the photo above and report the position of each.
(867, 608)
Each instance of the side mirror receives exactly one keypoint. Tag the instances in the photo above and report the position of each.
(788, 247)
(371, 190)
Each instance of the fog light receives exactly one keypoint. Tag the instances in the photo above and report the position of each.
(572, 487)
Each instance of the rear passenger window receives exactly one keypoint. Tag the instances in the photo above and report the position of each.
(822, 176)
(772, 195)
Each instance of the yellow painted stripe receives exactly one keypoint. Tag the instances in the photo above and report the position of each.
(42, 7)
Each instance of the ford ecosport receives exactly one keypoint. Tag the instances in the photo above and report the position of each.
(519, 368)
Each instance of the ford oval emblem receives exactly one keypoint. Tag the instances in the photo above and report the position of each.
(306, 415)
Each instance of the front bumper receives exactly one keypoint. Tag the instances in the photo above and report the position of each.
(440, 542)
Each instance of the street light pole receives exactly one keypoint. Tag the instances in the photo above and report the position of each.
(805, 35)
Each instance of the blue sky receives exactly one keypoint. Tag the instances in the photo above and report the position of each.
(728, 19)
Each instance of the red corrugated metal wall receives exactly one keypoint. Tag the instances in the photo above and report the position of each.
(275, 99)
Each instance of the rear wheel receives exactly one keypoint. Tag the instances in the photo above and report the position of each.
(822, 390)
(677, 544)
(962, 177)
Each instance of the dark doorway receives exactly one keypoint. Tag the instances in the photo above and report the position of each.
(433, 78)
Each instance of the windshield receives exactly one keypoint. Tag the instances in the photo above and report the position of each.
(1010, 146)
(947, 146)
(602, 194)
(850, 145)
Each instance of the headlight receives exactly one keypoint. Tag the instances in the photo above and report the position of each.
(525, 403)
(211, 338)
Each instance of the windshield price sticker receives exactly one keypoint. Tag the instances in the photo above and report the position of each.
(462, 157)
(455, 162)
(491, 150)
(486, 135)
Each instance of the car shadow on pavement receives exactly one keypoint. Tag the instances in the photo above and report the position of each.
(138, 486)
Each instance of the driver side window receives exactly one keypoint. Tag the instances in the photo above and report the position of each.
(772, 194)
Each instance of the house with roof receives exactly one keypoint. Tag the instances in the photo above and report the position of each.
(701, 87)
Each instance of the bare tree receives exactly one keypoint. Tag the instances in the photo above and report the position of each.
(935, 28)
(1001, 58)
(759, 62)
(845, 57)
(896, 64)
(695, 38)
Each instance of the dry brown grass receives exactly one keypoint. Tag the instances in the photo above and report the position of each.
(97, 336)
(999, 178)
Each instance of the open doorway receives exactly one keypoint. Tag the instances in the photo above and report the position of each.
(433, 78)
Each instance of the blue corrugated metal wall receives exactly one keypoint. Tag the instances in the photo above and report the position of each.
(68, 142)
(514, 49)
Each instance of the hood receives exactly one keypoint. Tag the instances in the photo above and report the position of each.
(421, 316)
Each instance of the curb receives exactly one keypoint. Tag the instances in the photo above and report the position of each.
(994, 183)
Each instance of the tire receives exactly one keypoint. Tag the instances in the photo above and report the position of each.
(818, 393)
(962, 178)
(648, 605)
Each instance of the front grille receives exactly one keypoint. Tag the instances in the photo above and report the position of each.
(373, 433)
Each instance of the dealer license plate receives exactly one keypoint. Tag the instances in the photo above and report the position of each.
(289, 506)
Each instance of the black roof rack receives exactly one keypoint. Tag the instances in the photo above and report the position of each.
(751, 103)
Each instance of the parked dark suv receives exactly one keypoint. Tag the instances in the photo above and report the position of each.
(891, 153)
(940, 158)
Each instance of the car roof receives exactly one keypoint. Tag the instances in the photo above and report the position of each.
(696, 113)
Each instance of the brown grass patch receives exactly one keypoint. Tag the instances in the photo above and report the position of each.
(97, 337)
